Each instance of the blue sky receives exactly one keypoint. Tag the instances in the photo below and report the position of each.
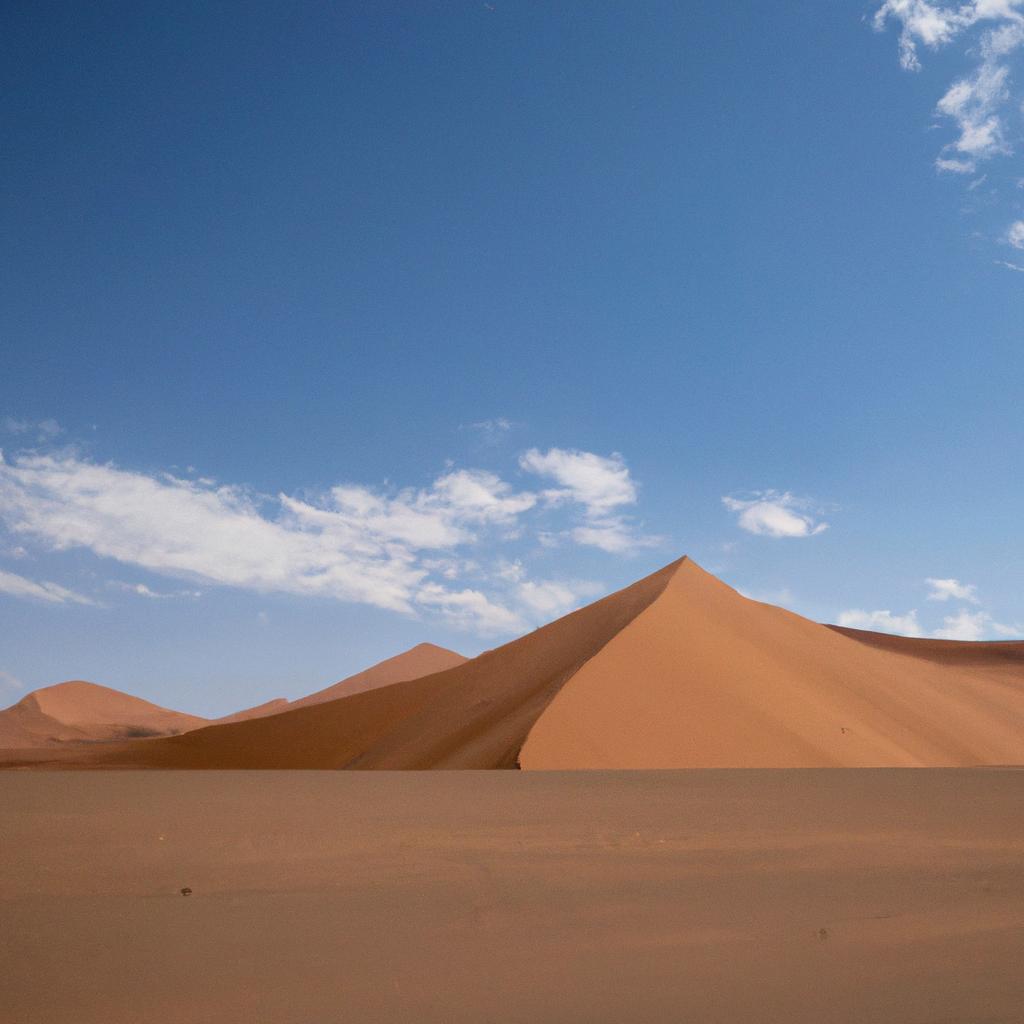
(334, 328)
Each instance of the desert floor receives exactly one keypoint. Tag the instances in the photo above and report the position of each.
(852, 895)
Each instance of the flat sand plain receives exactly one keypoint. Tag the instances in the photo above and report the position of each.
(805, 895)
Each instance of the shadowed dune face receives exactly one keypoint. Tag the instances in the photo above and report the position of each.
(78, 711)
(1007, 653)
(676, 671)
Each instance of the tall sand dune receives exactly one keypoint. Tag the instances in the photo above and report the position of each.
(707, 678)
(676, 671)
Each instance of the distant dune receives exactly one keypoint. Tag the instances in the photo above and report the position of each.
(675, 671)
(78, 711)
(418, 661)
(421, 660)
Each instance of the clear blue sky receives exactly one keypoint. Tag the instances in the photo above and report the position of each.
(331, 328)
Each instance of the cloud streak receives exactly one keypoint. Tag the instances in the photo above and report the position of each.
(398, 550)
(50, 593)
(977, 103)
(599, 486)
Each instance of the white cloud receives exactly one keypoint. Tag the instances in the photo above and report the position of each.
(398, 550)
(471, 609)
(600, 485)
(18, 586)
(552, 598)
(1009, 266)
(1015, 235)
(951, 590)
(882, 621)
(964, 625)
(771, 514)
(141, 590)
(975, 103)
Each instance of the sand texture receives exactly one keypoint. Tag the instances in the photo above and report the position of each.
(809, 897)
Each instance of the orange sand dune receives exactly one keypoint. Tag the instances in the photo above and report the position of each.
(676, 671)
(270, 707)
(707, 678)
(78, 711)
(421, 660)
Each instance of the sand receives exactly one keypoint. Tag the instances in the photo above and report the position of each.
(79, 711)
(825, 897)
(676, 671)
(707, 678)
(422, 660)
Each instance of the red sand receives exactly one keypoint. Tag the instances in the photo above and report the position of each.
(741, 897)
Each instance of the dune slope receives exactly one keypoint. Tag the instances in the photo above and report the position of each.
(707, 678)
(475, 715)
(78, 711)
(421, 660)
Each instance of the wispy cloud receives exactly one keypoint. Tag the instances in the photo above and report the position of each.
(44, 430)
(1015, 235)
(977, 103)
(492, 432)
(10, 682)
(400, 550)
(963, 624)
(599, 486)
(776, 514)
(951, 590)
(882, 621)
(141, 590)
(51, 593)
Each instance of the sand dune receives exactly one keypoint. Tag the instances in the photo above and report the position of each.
(421, 660)
(78, 711)
(707, 678)
(270, 707)
(676, 671)
(747, 897)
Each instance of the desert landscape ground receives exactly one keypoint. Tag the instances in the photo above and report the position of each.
(807, 896)
(723, 812)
